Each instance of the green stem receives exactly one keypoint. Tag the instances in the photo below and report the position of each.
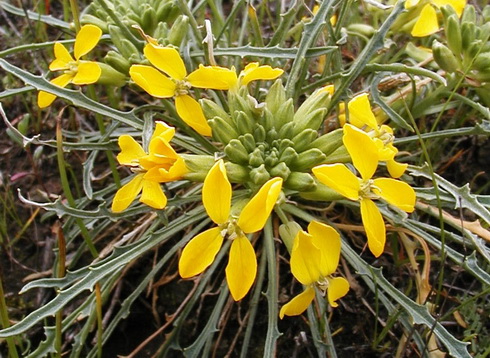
(66, 188)
(76, 14)
(272, 296)
(5, 322)
(60, 273)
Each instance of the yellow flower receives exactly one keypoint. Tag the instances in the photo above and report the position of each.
(74, 70)
(361, 115)
(314, 258)
(254, 72)
(169, 78)
(364, 154)
(427, 22)
(200, 252)
(160, 165)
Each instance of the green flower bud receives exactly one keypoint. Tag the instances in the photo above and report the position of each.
(90, 19)
(178, 31)
(243, 123)
(110, 76)
(222, 131)
(453, 35)
(319, 99)
(329, 142)
(467, 34)
(286, 130)
(417, 53)
(288, 232)
(308, 159)
(486, 13)
(236, 152)
(444, 57)
(148, 19)
(339, 155)
(256, 158)
(163, 9)
(284, 114)
(271, 135)
(362, 29)
(280, 170)
(248, 142)
(259, 134)
(288, 156)
(469, 14)
(303, 139)
(211, 110)
(448, 11)
(321, 193)
(482, 62)
(198, 166)
(236, 172)
(259, 175)
(125, 46)
(312, 120)
(161, 33)
(276, 97)
(117, 61)
(300, 182)
(283, 144)
(271, 159)
(238, 103)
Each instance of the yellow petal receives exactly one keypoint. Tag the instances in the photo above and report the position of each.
(213, 77)
(374, 225)
(426, 23)
(216, 193)
(162, 129)
(153, 194)
(242, 268)
(131, 151)
(362, 149)
(305, 259)
(200, 252)
(87, 73)
(327, 239)
(127, 193)
(298, 304)
(62, 58)
(86, 39)
(396, 169)
(152, 81)
(176, 171)
(160, 151)
(396, 192)
(44, 99)
(457, 5)
(255, 214)
(360, 112)
(166, 59)
(253, 72)
(191, 113)
(339, 178)
(337, 288)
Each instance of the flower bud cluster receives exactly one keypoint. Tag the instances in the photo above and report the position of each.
(269, 139)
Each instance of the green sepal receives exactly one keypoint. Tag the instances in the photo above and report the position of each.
(256, 158)
(444, 57)
(248, 142)
(361, 29)
(303, 139)
(259, 134)
(110, 76)
(284, 114)
(259, 175)
(329, 142)
(469, 14)
(321, 193)
(280, 170)
(125, 46)
(178, 31)
(198, 166)
(300, 181)
(319, 99)
(482, 62)
(117, 61)
(313, 120)
(467, 34)
(453, 35)
(90, 19)
(286, 130)
(236, 152)
(236, 173)
(339, 155)
(242, 122)
(148, 19)
(276, 97)
(288, 232)
(211, 110)
(308, 159)
(222, 130)
(161, 33)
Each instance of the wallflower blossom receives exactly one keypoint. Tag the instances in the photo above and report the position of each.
(201, 251)
(254, 72)
(168, 78)
(314, 258)
(361, 115)
(74, 70)
(364, 154)
(160, 165)
(427, 22)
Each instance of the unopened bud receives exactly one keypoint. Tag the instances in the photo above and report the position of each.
(300, 181)
(444, 57)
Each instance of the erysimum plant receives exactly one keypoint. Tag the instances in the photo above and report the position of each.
(213, 191)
